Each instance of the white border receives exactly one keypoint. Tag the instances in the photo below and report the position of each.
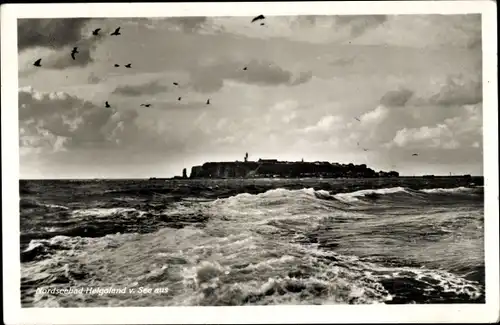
(488, 312)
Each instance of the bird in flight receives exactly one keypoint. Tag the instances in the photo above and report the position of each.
(146, 105)
(244, 68)
(208, 101)
(262, 24)
(365, 149)
(107, 105)
(259, 17)
(415, 154)
(117, 65)
(96, 31)
(175, 83)
(74, 52)
(128, 65)
(357, 119)
(37, 63)
(179, 98)
(116, 32)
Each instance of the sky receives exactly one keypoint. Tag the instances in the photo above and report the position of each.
(318, 88)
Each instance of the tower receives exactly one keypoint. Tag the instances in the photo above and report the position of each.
(246, 156)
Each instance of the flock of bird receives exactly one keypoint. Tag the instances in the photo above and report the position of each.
(38, 63)
(116, 32)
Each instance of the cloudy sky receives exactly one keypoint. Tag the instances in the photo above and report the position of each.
(414, 82)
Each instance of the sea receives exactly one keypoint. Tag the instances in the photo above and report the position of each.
(227, 242)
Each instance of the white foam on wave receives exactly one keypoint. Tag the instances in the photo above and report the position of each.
(460, 189)
(353, 196)
(102, 212)
(56, 206)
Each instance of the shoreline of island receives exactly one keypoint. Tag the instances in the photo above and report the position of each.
(275, 169)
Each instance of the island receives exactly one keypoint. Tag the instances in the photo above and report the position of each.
(273, 168)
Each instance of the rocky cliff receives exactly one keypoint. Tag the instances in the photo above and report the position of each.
(284, 169)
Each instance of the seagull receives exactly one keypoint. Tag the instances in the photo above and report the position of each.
(262, 24)
(175, 83)
(208, 101)
(365, 149)
(116, 32)
(128, 65)
(96, 32)
(74, 52)
(146, 105)
(107, 104)
(117, 65)
(415, 154)
(357, 119)
(244, 68)
(179, 98)
(259, 17)
(37, 63)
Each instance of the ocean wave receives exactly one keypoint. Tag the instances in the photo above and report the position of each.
(372, 193)
(200, 269)
(460, 189)
(105, 212)
(25, 203)
(281, 195)
(307, 245)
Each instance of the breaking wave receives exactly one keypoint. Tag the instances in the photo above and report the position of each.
(280, 246)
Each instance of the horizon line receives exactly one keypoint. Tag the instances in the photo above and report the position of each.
(188, 178)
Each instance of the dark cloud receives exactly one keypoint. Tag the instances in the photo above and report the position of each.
(188, 24)
(396, 98)
(211, 78)
(61, 34)
(359, 24)
(50, 33)
(68, 122)
(302, 78)
(457, 91)
(150, 88)
(62, 59)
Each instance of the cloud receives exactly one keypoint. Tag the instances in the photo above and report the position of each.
(187, 24)
(325, 124)
(59, 35)
(185, 104)
(376, 116)
(51, 33)
(396, 98)
(259, 72)
(464, 129)
(433, 137)
(343, 61)
(458, 91)
(359, 24)
(302, 78)
(356, 25)
(58, 121)
(445, 118)
(93, 79)
(62, 59)
(150, 88)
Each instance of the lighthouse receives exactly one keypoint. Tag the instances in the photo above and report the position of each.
(246, 157)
